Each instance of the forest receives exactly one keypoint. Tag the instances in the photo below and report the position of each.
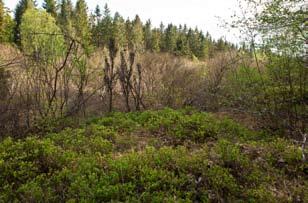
(97, 107)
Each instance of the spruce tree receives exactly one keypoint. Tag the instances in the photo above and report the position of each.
(161, 33)
(128, 32)
(182, 47)
(170, 38)
(137, 35)
(98, 13)
(193, 41)
(106, 26)
(96, 27)
(81, 24)
(65, 17)
(20, 9)
(51, 7)
(148, 35)
(201, 50)
(118, 31)
(156, 40)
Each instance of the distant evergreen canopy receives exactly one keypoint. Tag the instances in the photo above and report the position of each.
(99, 28)
(135, 35)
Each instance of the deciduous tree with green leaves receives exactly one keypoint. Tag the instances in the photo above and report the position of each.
(6, 25)
(277, 30)
(40, 36)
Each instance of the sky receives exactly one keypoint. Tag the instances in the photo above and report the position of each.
(204, 14)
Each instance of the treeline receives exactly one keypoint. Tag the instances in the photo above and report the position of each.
(95, 30)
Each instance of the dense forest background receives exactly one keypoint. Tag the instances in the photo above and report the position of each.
(61, 65)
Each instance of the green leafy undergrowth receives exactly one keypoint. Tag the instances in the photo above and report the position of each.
(124, 158)
(179, 126)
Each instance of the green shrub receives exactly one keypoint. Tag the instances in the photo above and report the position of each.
(281, 150)
(230, 154)
(90, 140)
(222, 182)
(226, 162)
(118, 121)
(260, 194)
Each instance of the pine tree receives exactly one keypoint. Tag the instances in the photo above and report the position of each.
(156, 40)
(148, 35)
(208, 46)
(201, 49)
(137, 40)
(98, 13)
(220, 45)
(20, 9)
(118, 31)
(182, 47)
(128, 32)
(106, 26)
(96, 27)
(81, 24)
(161, 33)
(193, 40)
(65, 17)
(170, 38)
(161, 27)
(51, 7)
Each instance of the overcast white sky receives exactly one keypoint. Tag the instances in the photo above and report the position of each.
(200, 13)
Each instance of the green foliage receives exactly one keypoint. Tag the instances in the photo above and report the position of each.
(222, 182)
(136, 41)
(6, 25)
(40, 35)
(118, 31)
(248, 83)
(81, 24)
(273, 86)
(20, 9)
(282, 151)
(81, 141)
(65, 17)
(51, 7)
(85, 164)
(118, 121)
(178, 125)
(284, 26)
(230, 154)
(141, 37)
(170, 39)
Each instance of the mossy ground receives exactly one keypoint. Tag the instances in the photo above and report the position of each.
(153, 156)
